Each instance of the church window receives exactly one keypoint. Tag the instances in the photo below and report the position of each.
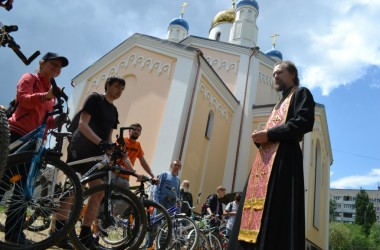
(249, 15)
(238, 30)
(240, 15)
(210, 124)
(176, 33)
(217, 37)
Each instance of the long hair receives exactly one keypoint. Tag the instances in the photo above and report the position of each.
(291, 68)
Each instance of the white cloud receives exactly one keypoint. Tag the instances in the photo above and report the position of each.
(369, 181)
(341, 53)
(375, 85)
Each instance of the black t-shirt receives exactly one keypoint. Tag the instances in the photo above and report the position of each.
(104, 118)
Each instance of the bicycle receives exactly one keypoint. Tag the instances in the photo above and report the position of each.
(156, 215)
(215, 238)
(185, 232)
(121, 220)
(4, 141)
(7, 40)
(29, 166)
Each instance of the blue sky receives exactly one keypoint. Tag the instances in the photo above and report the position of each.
(336, 45)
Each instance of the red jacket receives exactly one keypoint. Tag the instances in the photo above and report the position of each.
(32, 104)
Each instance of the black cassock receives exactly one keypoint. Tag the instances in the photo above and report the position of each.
(283, 221)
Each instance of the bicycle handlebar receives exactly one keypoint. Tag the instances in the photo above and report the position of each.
(8, 5)
(8, 40)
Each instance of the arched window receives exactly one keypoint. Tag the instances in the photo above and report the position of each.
(317, 185)
(176, 33)
(217, 37)
(249, 15)
(210, 124)
(241, 16)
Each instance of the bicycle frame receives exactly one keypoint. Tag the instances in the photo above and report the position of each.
(37, 137)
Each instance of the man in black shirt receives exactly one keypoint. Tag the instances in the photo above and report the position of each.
(187, 197)
(214, 205)
(98, 119)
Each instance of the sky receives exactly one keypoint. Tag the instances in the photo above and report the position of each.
(335, 44)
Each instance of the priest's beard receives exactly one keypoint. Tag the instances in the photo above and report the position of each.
(281, 86)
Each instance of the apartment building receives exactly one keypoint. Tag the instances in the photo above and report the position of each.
(345, 203)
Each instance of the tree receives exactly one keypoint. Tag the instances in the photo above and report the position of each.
(332, 209)
(340, 236)
(365, 212)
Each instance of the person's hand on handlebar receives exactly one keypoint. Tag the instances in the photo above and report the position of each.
(105, 146)
(155, 181)
(139, 177)
(50, 93)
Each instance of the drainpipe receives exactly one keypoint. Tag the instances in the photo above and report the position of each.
(199, 53)
(254, 51)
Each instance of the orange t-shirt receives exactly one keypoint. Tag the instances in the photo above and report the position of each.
(134, 151)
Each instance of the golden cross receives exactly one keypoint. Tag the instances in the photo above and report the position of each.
(183, 8)
(276, 119)
(274, 38)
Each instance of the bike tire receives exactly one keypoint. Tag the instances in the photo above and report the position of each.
(128, 226)
(158, 214)
(4, 141)
(203, 243)
(45, 186)
(185, 233)
(38, 215)
(214, 241)
(47, 204)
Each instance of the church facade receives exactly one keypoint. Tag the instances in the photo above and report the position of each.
(199, 99)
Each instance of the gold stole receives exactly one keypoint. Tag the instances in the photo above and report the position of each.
(259, 178)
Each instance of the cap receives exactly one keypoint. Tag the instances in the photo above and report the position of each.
(52, 55)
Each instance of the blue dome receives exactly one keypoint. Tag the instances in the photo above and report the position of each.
(180, 22)
(248, 2)
(274, 53)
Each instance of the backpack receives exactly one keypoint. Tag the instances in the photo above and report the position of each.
(13, 104)
(203, 207)
(74, 124)
(11, 108)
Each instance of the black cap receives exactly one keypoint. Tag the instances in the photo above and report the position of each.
(52, 55)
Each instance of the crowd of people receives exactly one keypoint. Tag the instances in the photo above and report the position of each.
(282, 177)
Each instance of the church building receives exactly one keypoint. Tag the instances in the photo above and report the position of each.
(198, 100)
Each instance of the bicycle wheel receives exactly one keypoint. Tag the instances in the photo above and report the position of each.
(31, 212)
(157, 214)
(203, 243)
(185, 233)
(214, 241)
(4, 141)
(40, 220)
(126, 224)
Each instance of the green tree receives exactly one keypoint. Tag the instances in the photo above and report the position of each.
(359, 240)
(332, 209)
(365, 212)
(340, 236)
(374, 237)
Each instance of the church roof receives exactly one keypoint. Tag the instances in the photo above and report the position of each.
(248, 2)
(274, 53)
(180, 22)
(226, 16)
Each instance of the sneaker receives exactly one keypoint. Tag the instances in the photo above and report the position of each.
(22, 240)
(65, 244)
